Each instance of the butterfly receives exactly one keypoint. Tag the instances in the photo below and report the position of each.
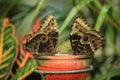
(84, 39)
(44, 41)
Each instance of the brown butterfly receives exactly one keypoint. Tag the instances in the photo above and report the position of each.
(84, 39)
(44, 41)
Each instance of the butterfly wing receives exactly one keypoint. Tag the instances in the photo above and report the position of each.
(95, 40)
(79, 28)
(51, 29)
(84, 40)
(44, 41)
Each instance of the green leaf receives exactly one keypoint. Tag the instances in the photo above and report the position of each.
(115, 13)
(109, 19)
(73, 12)
(111, 73)
(97, 3)
(101, 17)
(110, 36)
(8, 7)
(8, 50)
(29, 19)
(30, 66)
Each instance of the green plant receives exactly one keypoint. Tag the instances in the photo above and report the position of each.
(103, 15)
(8, 49)
(9, 52)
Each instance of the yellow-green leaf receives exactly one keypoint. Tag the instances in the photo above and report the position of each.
(29, 67)
(8, 49)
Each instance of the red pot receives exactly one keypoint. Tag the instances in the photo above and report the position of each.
(67, 62)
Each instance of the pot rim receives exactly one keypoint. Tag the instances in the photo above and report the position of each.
(64, 55)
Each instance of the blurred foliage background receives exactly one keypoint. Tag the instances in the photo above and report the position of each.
(102, 15)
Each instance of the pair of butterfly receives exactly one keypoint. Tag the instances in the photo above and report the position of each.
(84, 40)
